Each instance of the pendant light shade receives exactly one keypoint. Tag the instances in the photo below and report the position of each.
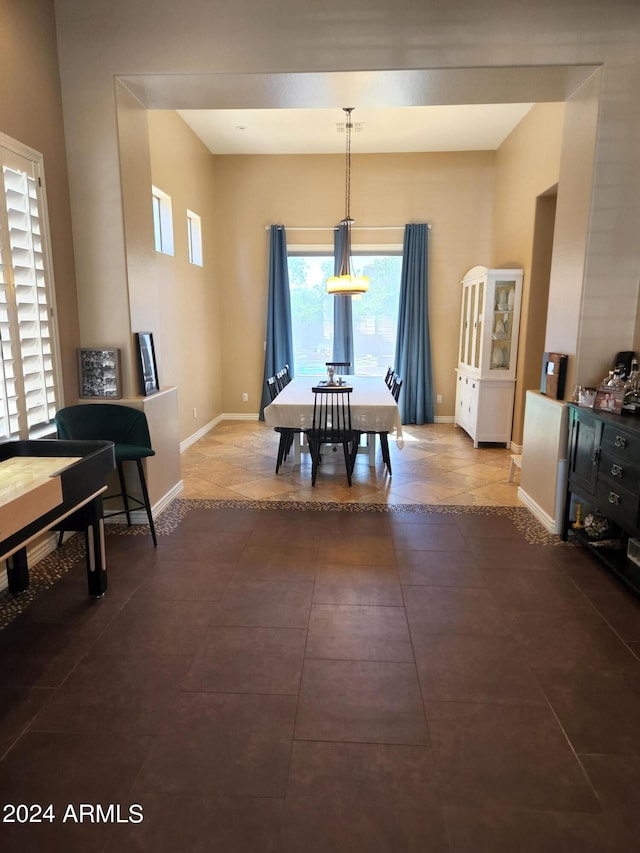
(346, 283)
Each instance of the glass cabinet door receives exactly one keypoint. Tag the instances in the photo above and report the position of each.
(502, 325)
(477, 331)
(464, 331)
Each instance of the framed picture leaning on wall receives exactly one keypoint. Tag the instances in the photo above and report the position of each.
(99, 373)
(147, 367)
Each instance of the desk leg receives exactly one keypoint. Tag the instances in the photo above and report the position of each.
(96, 552)
(18, 571)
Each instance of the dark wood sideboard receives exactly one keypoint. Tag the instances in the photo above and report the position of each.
(604, 475)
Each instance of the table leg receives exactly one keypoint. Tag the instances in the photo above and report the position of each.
(296, 448)
(18, 571)
(371, 444)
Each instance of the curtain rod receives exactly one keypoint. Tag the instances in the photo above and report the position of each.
(353, 227)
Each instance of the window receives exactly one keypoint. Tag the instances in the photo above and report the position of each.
(162, 221)
(29, 363)
(194, 236)
(375, 314)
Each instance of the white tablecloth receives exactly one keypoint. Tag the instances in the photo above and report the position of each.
(373, 408)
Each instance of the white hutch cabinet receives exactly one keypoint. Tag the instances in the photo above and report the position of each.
(486, 374)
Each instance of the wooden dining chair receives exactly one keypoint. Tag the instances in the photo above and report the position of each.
(281, 380)
(272, 388)
(395, 388)
(395, 384)
(332, 425)
(388, 379)
(287, 435)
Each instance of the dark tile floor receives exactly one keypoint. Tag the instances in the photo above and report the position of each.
(294, 680)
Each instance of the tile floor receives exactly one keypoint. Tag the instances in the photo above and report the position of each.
(277, 678)
(437, 465)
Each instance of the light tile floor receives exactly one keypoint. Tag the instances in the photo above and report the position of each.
(438, 465)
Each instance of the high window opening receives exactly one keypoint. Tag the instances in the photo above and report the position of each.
(162, 221)
(29, 362)
(375, 314)
(194, 238)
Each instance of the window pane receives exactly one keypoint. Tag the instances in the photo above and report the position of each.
(194, 237)
(311, 312)
(162, 221)
(156, 223)
(375, 313)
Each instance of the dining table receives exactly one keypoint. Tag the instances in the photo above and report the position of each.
(373, 410)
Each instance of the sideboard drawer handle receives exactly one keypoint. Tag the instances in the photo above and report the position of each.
(616, 470)
(620, 441)
(613, 498)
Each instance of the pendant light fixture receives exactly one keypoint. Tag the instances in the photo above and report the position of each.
(345, 282)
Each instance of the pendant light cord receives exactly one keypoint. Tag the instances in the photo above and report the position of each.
(347, 189)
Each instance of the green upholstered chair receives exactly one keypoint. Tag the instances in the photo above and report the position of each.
(127, 428)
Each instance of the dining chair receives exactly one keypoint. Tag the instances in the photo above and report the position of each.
(332, 425)
(281, 380)
(395, 384)
(128, 429)
(272, 388)
(286, 435)
(388, 379)
(395, 388)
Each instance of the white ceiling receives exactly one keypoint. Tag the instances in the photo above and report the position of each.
(471, 127)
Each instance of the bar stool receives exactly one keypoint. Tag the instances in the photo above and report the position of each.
(127, 428)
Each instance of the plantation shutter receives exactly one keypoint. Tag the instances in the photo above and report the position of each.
(28, 398)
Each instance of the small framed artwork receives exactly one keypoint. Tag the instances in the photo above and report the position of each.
(554, 371)
(609, 399)
(99, 373)
(147, 367)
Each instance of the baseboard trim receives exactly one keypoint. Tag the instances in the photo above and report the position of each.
(225, 416)
(239, 416)
(516, 448)
(196, 436)
(444, 419)
(547, 521)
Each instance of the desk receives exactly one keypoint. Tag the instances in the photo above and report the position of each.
(47, 484)
(373, 409)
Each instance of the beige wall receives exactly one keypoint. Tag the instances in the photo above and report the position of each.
(98, 41)
(31, 113)
(453, 192)
(189, 328)
(584, 321)
(527, 165)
